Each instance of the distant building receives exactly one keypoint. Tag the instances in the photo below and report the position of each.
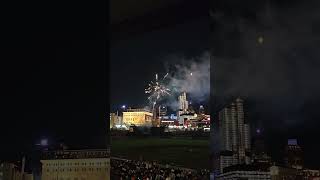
(112, 119)
(183, 103)
(185, 119)
(115, 120)
(9, 171)
(294, 155)
(259, 153)
(248, 172)
(280, 173)
(311, 174)
(256, 172)
(171, 120)
(234, 133)
(28, 176)
(201, 109)
(163, 111)
(247, 175)
(287, 173)
(76, 164)
(138, 117)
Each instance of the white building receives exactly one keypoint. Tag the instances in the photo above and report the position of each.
(183, 103)
(76, 164)
(234, 135)
(248, 175)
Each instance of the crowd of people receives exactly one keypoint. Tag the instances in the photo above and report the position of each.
(143, 170)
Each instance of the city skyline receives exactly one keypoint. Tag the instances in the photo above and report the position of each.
(233, 80)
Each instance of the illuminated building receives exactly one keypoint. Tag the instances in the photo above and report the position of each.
(250, 172)
(112, 119)
(115, 119)
(294, 155)
(183, 104)
(234, 135)
(138, 117)
(250, 175)
(9, 171)
(256, 172)
(311, 174)
(163, 110)
(169, 120)
(28, 176)
(201, 109)
(279, 173)
(185, 119)
(76, 164)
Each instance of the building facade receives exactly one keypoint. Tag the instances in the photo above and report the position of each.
(248, 175)
(234, 133)
(76, 165)
(183, 103)
(185, 119)
(9, 171)
(294, 155)
(256, 172)
(259, 152)
(115, 120)
(138, 117)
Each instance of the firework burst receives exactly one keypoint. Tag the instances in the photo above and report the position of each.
(157, 89)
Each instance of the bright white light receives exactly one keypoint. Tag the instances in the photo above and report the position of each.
(123, 106)
(44, 142)
(258, 131)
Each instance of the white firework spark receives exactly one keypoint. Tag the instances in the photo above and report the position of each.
(157, 89)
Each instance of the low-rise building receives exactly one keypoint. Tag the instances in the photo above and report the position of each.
(9, 171)
(248, 175)
(137, 117)
(76, 165)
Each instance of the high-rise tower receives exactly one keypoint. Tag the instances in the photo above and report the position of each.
(234, 135)
(294, 154)
(183, 103)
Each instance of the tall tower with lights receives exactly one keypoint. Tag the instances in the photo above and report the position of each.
(183, 103)
(234, 133)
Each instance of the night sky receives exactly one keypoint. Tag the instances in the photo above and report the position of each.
(53, 76)
(135, 62)
(181, 30)
(269, 53)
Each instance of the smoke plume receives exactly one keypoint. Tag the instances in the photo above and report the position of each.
(272, 58)
(190, 75)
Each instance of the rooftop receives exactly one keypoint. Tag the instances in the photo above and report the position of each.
(75, 154)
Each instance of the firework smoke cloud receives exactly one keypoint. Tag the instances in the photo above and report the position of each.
(191, 76)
